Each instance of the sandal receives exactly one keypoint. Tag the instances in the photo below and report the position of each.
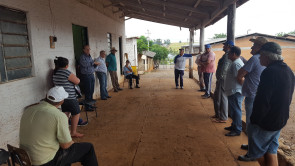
(219, 121)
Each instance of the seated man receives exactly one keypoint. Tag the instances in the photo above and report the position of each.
(45, 135)
(129, 74)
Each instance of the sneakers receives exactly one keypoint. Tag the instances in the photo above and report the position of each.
(181, 87)
(176, 87)
(137, 86)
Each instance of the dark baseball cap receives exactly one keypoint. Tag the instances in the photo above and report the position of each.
(229, 42)
(272, 47)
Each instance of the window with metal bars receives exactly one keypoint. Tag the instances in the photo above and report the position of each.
(109, 37)
(15, 55)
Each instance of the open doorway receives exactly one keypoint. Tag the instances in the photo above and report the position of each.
(80, 37)
(121, 55)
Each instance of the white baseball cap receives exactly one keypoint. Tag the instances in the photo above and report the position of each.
(57, 94)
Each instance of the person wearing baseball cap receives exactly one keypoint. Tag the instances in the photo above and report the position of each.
(111, 63)
(249, 77)
(207, 63)
(45, 136)
(271, 106)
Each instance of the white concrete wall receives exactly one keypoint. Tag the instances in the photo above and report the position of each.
(15, 95)
(131, 49)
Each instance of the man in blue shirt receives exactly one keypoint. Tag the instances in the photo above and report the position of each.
(87, 66)
(112, 68)
(129, 75)
(179, 66)
(249, 77)
(101, 73)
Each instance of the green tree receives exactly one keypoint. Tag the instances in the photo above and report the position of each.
(280, 34)
(142, 44)
(161, 52)
(219, 35)
(158, 41)
(167, 42)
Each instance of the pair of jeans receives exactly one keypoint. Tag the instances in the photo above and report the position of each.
(235, 109)
(77, 152)
(130, 76)
(177, 74)
(88, 85)
(248, 107)
(102, 77)
(208, 81)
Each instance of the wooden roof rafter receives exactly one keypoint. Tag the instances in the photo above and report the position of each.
(187, 13)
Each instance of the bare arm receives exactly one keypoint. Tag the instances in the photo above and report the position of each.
(74, 79)
(241, 74)
(66, 145)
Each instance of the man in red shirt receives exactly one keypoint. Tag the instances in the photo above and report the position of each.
(207, 61)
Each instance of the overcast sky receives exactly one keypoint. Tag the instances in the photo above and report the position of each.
(262, 16)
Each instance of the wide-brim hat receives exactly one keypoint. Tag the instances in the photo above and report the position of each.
(259, 40)
(113, 49)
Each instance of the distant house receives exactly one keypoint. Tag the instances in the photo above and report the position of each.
(287, 43)
(290, 36)
(131, 50)
(145, 61)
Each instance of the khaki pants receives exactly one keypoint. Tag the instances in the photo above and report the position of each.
(114, 79)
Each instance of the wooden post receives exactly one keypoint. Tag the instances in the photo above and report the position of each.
(191, 50)
(231, 21)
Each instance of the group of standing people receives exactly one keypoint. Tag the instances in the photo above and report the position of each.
(266, 84)
(44, 132)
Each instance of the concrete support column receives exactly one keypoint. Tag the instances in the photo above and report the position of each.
(231, 22)
(191, 50)
(202, 43)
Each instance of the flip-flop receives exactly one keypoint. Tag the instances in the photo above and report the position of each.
(219, 121)
(213, 117)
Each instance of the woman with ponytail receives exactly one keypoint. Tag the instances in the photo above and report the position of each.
(63, 77)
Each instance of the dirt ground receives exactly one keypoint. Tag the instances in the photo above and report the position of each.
(158, 125)
(287, 138)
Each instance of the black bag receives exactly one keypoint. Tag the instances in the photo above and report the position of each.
(78, 91)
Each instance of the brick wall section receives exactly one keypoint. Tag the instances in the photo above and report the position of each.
(16, 95)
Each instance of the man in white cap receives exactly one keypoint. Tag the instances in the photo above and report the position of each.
(111, 62)
(45, 135)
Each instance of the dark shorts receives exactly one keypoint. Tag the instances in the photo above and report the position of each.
(71, 105)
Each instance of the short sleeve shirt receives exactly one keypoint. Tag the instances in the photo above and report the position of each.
(61, 78)
(111, 60)
(254, 69)
(231, 84)
(42, 128)
(209, 68)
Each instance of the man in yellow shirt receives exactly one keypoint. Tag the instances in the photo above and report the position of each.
(45, 135)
